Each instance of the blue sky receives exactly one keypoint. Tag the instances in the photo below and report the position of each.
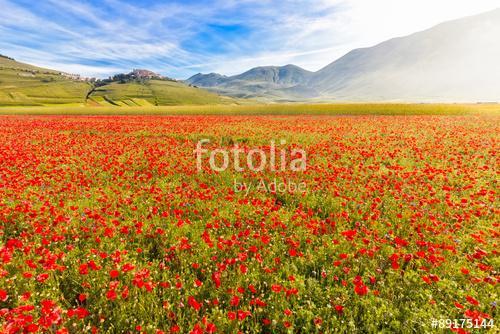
(180, 38)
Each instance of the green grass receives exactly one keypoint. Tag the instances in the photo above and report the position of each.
(115, 93)
(26, 85)
(9, 63)
(270, 109)
(174, 93)
(154, 92)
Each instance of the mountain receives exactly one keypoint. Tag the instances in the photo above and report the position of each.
(206, 80)
(23, 84)
(285, 75)
(273, 82)
(456, 61)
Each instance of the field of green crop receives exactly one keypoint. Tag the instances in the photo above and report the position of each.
(173, 93)
(116, 94)
(153, 92)
(264, 109)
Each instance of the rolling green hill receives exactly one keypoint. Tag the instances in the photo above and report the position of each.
(125, 94)
(153, 92)
(23, 84)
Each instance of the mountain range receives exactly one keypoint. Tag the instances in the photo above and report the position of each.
(456, 61)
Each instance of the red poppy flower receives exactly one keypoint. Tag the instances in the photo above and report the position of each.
(276, 288)
(3, 295)
(235, 300)
(472, 300)
(114, 273)
(216, 278)
(42, 277)
(111, 295)
(194, 303)
(231, 315)
(361, 289)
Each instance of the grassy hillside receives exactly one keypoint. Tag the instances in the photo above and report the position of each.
(153, 92)
(27, 85)
(127, 94)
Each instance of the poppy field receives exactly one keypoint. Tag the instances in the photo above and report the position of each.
(108, 226)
